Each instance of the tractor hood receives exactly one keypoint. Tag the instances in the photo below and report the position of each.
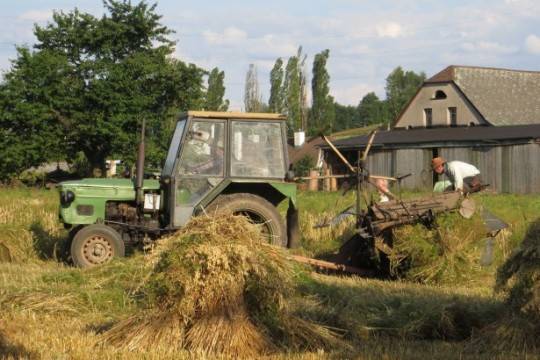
(124, 184)
(86, 199)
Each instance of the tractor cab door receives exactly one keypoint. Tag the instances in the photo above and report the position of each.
(200, 167)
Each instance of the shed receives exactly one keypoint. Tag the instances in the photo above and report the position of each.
(507, 156)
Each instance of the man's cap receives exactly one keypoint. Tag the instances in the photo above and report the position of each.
(436, 162)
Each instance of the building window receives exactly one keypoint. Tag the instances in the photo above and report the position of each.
(452, 116)
(439, 95)
(428, 117)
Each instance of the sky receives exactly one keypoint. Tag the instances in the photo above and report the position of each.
(367, 39)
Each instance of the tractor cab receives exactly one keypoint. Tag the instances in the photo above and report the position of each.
(215, 151)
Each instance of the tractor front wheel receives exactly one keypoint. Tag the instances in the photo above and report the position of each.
(258, 210)
(95, 245)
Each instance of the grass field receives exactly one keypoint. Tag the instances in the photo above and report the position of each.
(51, 310)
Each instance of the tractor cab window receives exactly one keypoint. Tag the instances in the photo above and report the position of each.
(257, 150)
(203, 150)
(174, 148)
(200, 167)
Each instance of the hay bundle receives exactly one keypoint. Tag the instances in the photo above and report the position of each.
(446, 254)
(214, 288)
(519, 276)
(522, 271)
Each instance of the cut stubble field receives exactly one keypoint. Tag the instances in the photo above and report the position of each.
(442, 307)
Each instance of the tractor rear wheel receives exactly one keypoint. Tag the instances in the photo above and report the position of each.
(95, 245)
(258, 210)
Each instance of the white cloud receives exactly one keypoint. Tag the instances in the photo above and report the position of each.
(524, 8)
(389, 29)
(489, 46)
(356, 50)
(272, 46)
(230, 35)
(352, 94)
(532, 44)
(36, 15)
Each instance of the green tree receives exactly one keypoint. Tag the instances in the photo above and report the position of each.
(346, 117)
(216, 91)
(400, 88)
(29, 131)
(371, 110)
(275, 102)
(291, 89)
(303, 89)
(252, 95)
(294, 92)
(322, 109)
(99, 78)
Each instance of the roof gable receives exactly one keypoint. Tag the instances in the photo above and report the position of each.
(502, 96)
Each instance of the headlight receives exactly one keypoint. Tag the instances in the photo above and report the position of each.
(66, 197)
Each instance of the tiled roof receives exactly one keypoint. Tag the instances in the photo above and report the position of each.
(503, 97)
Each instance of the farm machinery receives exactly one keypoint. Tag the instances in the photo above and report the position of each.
(222, 161)
(366, 251)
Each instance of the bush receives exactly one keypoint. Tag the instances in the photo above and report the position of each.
(303, 166)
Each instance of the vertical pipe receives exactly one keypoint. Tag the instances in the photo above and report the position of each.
(140, 168)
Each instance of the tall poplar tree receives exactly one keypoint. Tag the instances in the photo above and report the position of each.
(295, 94)
(322, 110)
(252, 95)
(216, 91)
(291, 87)
(275, 103)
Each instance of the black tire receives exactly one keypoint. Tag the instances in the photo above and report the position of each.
(95, 245)
(259, 210)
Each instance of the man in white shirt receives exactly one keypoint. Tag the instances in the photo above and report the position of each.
(464, 177)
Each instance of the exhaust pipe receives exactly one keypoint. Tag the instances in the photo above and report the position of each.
(139, 177)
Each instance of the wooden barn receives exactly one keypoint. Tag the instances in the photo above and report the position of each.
(487, 117)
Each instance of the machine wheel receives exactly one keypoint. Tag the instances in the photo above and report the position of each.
(258, 210)
(95, 245)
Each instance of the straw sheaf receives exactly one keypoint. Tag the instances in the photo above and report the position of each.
(215, 288)
(447, 254)
(519, 278)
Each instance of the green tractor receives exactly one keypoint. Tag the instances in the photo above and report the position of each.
(217, 161)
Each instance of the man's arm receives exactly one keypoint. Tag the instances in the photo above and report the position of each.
(455, 175)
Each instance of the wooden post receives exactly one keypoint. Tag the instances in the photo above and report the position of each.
(333, 183)
(326, 180)
(313, 184)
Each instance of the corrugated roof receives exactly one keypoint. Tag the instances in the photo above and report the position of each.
(423, 137)
(503, 96)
